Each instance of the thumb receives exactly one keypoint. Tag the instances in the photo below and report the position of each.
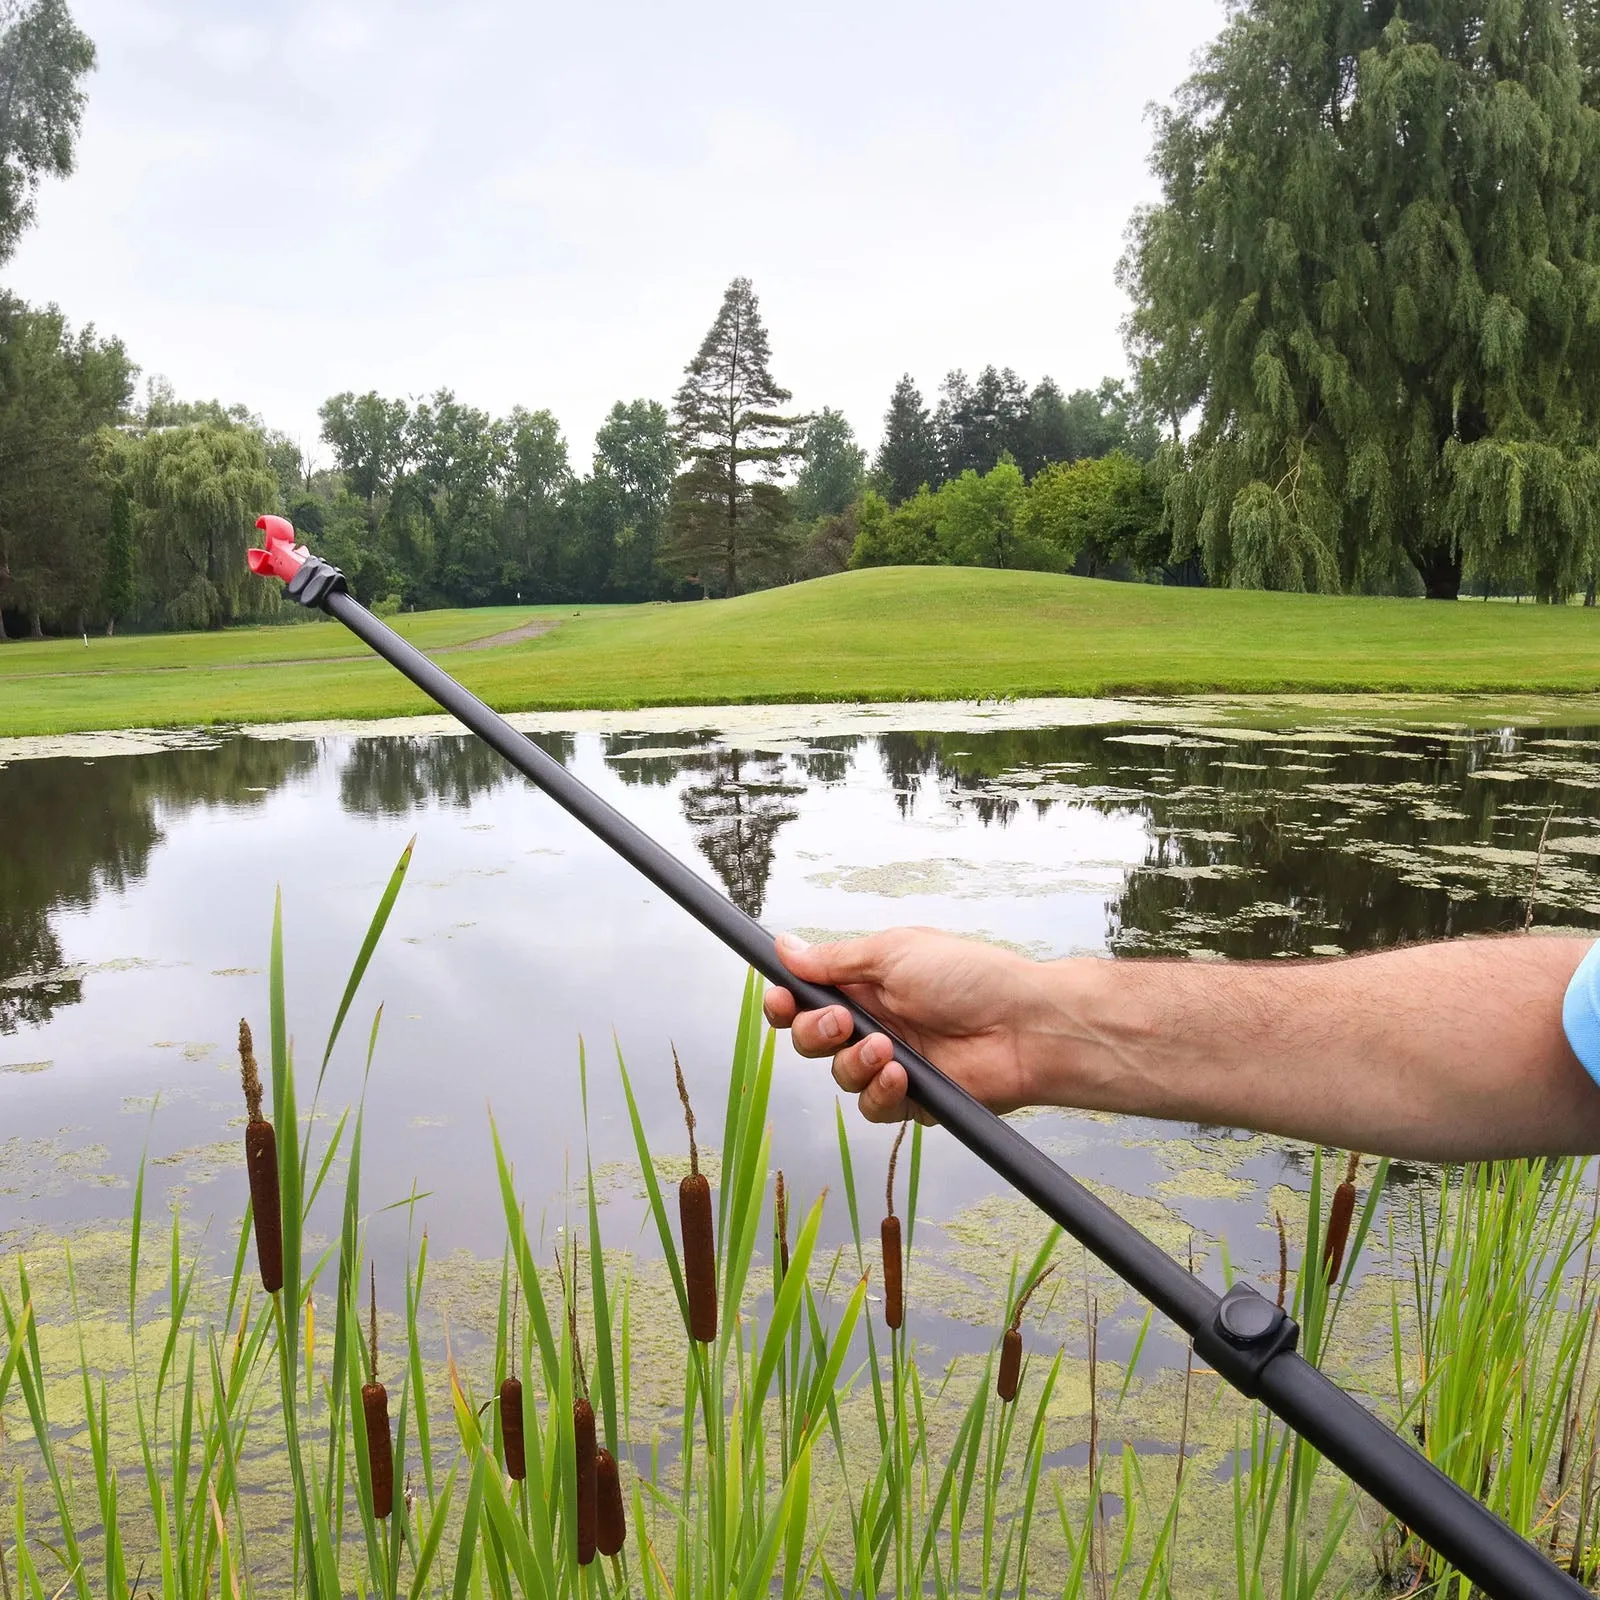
(848, 961)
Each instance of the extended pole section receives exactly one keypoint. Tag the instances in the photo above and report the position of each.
(1249, 1340)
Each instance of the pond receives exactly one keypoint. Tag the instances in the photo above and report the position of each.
(136, 894)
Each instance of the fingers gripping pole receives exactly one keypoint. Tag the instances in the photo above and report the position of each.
(1249, 1341)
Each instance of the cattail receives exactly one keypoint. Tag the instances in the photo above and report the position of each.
(375, 1407)
(261, 1163)
(894, 1304)
(511, 1428)
(694, 1217)
(1011, 1344)
(583, 1438)
(587, 1464)
(511, 1411)
(1339, 1215)
(1283, 1261)
(780, 1226)
(611, 1526)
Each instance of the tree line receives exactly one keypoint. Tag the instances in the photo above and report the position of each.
(1364, 335)
(119, 508)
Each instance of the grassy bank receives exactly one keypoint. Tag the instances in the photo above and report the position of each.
(888, 634)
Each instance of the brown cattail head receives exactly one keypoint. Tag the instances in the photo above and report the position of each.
(611, 1525)
(694, 1218)
(261, 1167)
(1011, 1344)
(511, 1429)
(1339, 1216)
(375, 1406)
(380, 1448)
(1010, 1366)
(894, 1306)
(584, 1455)
(699, 1256)
(780, 1224)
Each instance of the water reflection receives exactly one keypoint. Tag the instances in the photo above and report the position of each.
(392, 777)
(73, 831)
(1257, 843)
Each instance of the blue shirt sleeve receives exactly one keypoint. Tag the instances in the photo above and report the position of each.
(1580, 1012)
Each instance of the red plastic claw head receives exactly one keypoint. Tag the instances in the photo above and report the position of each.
(281, 557)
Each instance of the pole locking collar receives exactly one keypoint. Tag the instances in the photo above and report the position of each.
(1246, 1332)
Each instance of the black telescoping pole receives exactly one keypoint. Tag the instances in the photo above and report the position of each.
(1249, 1340)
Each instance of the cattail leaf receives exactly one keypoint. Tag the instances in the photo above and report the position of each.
(970, 1427)
(738, 1247)
(605, 1378)
(658, 1209)
(138, 1228)
(755, 1581)
(285, 1115)
(744, 1177)
(16, 1335)
(848, 1168)
(795, 1566)
(746, 1044)
(380, 919)
(522, 1254)
(913, 1186)
(786, 1308)
(827, 1377)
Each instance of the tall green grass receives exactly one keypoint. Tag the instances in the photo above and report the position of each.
(211, 1440)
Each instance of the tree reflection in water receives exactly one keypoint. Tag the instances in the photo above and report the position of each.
(75, 830)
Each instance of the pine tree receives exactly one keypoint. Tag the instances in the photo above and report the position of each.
(1371, 279)
(977, 423)
(725, 518)
(908, 458)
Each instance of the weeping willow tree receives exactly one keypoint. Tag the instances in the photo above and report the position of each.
(1372, 286)
(197, 491)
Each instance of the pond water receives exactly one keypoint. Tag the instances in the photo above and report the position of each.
(136, 895)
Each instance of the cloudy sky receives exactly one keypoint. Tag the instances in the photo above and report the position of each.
(541, 204)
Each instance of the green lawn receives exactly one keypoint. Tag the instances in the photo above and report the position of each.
(888, 634)
(316, 638)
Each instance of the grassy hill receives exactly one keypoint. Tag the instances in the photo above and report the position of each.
(895, 633)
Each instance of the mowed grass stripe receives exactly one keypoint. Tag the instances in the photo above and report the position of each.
(316, 637)
(888, 634)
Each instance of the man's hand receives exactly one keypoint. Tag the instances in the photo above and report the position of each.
(1443, 1052)
(963, 1004)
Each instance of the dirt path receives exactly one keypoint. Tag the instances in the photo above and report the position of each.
(528, 630)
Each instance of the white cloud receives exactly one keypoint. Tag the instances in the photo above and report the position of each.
(541, 204)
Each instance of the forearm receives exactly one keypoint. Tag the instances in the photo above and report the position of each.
(1443, 1051)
